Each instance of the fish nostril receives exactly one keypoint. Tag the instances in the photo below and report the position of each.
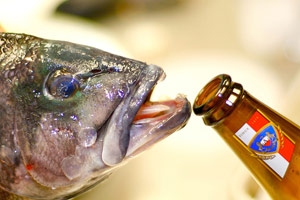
(110, 70)
(96, 71)
(93, 72)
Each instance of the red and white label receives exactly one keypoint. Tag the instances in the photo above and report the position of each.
(267, 142)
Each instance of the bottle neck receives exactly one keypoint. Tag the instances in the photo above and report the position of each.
(218, 99)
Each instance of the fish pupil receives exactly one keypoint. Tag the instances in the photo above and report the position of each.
(66, 88)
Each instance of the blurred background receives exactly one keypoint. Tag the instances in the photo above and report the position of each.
(257, 42)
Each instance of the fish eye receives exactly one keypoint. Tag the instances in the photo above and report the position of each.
(62, 85)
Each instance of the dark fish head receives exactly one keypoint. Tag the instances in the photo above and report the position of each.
(74, 113)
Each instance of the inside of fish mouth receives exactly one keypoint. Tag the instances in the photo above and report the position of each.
(153, 110)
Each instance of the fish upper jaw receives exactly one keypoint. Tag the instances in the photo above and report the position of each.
(117, 133)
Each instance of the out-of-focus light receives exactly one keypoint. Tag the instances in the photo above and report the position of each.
(292, 47)
(265, 25)
(146, 39)
(38, 20)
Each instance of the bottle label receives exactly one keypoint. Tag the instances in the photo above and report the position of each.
(267, 142)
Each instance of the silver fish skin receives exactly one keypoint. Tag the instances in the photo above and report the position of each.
(70, 114)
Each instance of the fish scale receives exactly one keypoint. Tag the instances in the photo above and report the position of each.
(16, 56)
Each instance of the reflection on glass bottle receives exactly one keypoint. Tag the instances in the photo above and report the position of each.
(264, 140)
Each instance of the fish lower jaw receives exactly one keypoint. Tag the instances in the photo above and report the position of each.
(155, 121)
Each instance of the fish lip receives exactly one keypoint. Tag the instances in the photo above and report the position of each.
(116, 139)
(167, 124)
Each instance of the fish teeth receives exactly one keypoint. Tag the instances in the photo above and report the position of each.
(154, 109)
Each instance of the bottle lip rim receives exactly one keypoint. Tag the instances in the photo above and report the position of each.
(209, 95)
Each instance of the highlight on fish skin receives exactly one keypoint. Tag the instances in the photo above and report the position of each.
(70, 114)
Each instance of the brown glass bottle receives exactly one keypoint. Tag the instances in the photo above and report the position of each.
(265, 141)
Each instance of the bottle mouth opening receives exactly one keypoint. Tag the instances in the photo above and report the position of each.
(210, 94)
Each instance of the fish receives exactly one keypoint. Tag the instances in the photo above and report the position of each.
(70, 114)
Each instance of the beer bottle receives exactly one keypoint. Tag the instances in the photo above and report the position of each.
(265, 141)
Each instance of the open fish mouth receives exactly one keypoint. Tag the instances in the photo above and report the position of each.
(155, 121)
(137, 123)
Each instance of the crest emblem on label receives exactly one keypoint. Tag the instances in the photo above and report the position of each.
(266, 141)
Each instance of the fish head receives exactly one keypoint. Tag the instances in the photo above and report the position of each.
(77, 113)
